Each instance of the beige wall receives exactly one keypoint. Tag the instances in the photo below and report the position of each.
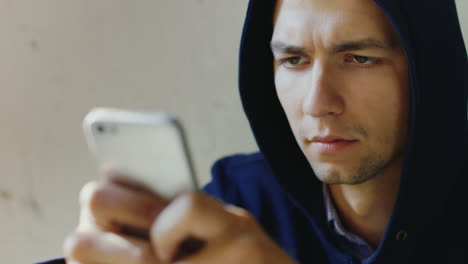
(59, 58)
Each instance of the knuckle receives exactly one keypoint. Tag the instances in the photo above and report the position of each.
(96, 197)
(196, 199)
(195, 202)
(86, 191)
(77, 245)
(241, 213)
(185, 207)
(248, 219)
(242, 219)
(86, 220)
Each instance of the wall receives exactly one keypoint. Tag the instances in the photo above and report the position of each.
(59, 58)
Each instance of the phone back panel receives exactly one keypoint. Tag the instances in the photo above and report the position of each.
(145, 147)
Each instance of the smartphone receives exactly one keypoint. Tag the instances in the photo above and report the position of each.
(147, 148)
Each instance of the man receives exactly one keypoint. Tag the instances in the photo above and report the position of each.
(359, 110)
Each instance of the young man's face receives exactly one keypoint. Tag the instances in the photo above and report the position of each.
(342, 78)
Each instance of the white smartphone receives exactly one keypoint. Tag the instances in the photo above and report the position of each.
(144, 147)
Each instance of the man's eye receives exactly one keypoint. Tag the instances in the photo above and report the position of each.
(292, 62)
(363, 60)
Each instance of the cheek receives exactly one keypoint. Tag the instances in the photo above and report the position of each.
(290, 94)
(382, 105)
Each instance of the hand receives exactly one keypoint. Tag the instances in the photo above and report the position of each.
(117, 221)
(114, 225)
(225, 234)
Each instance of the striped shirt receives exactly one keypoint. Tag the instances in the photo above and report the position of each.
(346, 241)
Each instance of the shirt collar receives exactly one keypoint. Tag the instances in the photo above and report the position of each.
(335, 223)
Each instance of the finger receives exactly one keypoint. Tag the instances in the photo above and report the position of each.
(192, 216)
(112, 203)
(107, 248)
(87, 191)
(71, 261)
(87, 220)
(244, 249)
(127, 182)
(251, 246)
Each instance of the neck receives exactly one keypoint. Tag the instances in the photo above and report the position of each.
(365, 208)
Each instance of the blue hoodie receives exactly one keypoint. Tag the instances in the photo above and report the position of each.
(432, 201)
(276, 185)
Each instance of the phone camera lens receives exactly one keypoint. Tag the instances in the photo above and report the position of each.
(100, 128)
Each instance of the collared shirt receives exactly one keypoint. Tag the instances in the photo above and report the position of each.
(346, 241)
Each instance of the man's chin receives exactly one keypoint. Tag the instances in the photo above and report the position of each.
(340, 173)
(329, 175)
(333, 175)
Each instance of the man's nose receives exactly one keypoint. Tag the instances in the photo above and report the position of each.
(322, 97)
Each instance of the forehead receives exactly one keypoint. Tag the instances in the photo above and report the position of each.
(331, 20)
(322, 5)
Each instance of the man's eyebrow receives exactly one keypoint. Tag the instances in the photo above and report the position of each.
(353, 45)
(368, 43)
(281, 47)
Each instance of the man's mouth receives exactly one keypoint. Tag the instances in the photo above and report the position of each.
(331, 144)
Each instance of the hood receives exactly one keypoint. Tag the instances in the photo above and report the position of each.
(437, 140)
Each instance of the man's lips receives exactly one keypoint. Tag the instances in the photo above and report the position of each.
(327, 139)
(331, 144)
